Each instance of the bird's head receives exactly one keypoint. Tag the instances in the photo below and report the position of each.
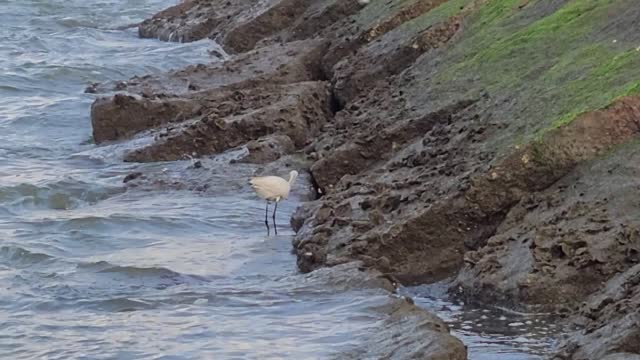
(292, 177)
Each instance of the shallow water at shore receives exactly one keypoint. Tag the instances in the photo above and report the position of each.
(489, 332)
(91, 269)
(107, 272)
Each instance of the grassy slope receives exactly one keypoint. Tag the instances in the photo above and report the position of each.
(548, 60)
(555, 65)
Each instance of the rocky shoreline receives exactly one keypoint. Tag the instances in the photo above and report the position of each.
(493, 142)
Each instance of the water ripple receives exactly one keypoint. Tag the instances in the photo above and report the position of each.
(16, 256)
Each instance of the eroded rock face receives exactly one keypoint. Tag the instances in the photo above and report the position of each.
(372, 23)
(276, 64)
(268, 148)
(355, 74)
(122, 116)
(205, 110)
(265, 19)
(238, 26)
(557, 246)
(194, 20)
(296, 111)
(319, 18)
(610, 319)
(393, 187)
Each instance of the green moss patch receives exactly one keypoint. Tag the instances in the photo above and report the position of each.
(552, 65)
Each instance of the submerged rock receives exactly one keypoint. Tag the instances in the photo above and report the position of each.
(409, 333)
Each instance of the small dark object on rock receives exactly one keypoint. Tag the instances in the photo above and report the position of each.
(91, 88)
(216, 53)
(131, 177)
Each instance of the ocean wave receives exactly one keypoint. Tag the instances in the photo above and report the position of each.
(16, 256)
(75, 302)
(119, 304)
(131, 271)
(58, 195)
(114, 152)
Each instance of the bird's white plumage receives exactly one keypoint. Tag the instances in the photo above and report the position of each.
(273, 188)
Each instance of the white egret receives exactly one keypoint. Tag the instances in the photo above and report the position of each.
(273, 188)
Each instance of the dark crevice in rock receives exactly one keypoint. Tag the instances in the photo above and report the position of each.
(334, 103)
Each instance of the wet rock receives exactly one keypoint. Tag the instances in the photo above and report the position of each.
(240, 25)
(193, 20)
(409, 333)
(350, 276)
(622, 356)
(276, 64)
(269, 148)
(301, 214)
(296, 111)
(123, 116)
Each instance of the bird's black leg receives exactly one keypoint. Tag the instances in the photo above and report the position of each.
(266, 221)
(275, 227)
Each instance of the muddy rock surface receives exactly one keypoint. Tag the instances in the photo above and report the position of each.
(610, 322)
(558, 245)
